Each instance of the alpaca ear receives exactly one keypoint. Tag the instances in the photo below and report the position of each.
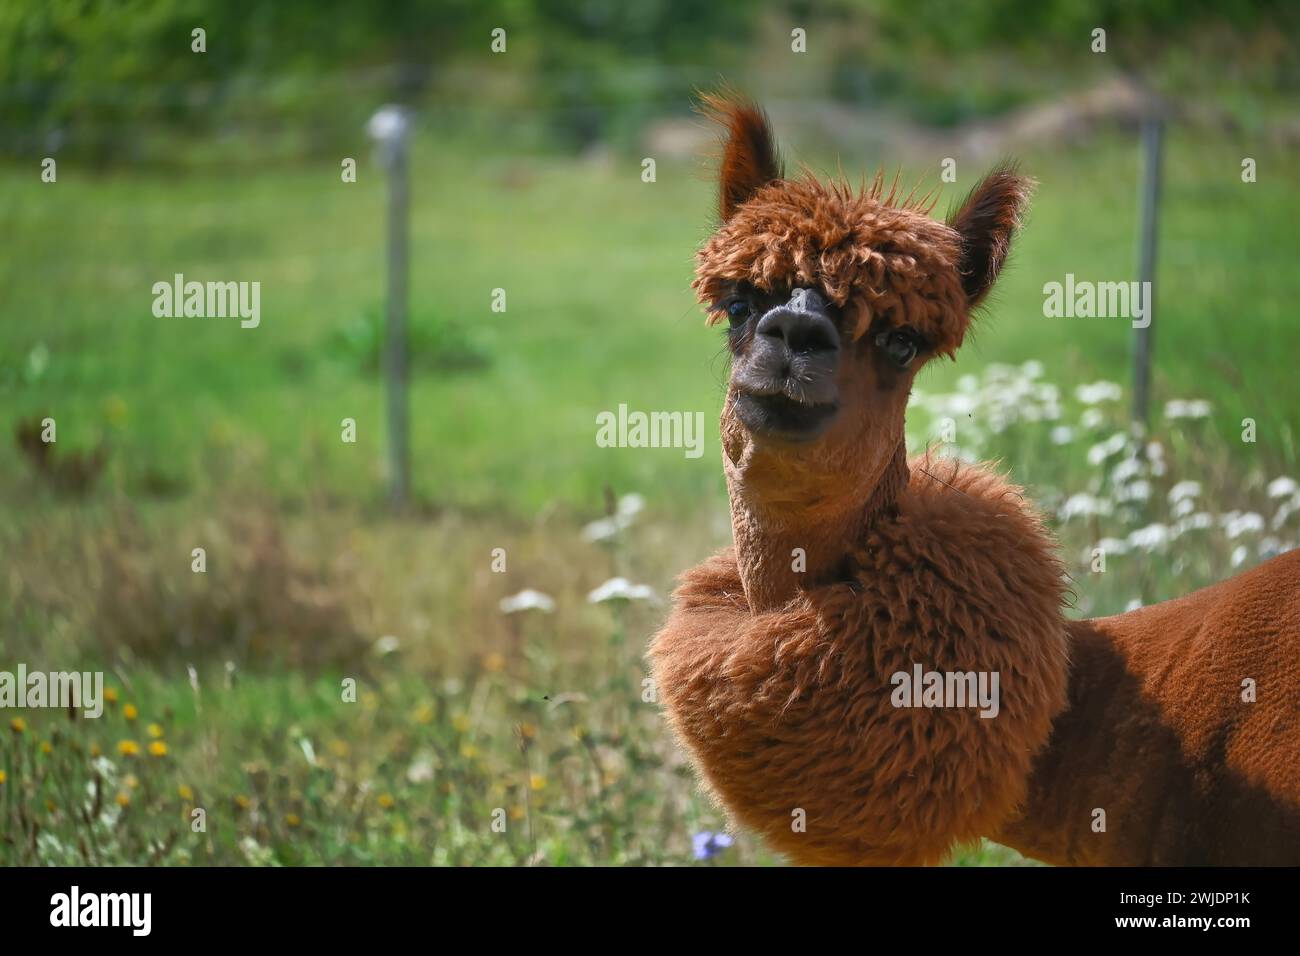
(986, 220)
(749, 158)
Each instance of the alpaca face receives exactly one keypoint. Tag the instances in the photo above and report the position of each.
(834, 298)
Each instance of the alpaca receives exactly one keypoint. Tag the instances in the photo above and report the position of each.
(1123, 740)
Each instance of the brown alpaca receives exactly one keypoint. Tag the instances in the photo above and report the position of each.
(852, 565)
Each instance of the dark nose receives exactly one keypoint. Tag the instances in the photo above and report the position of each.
(802, 324)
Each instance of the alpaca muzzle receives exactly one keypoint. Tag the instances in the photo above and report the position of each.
(785, 380)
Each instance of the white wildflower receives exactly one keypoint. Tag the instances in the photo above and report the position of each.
(308, 751)
(602, 529)
(1103, 450)
(1197, 522)
(1098, 392)
(1135, 491)
(621, 589)
(1187, 408)
(1047, 393)
(1113, 546)
(1149, 538)
(421, 769)
(1236, 524)
(629, 506)
(1092, 418)
(1184, 490)
(1286, 510)
(1062, 435)
(1281, 487)
(527, 600)
(1125, 469)
(1083, 504)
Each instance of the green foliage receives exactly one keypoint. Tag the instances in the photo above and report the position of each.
(434, 345)
(117, 81)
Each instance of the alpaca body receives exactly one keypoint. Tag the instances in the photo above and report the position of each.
(1167, 735)
(1158, 735)
(790, 710)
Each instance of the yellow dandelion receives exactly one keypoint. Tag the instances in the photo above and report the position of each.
(339, 748)
(128, 748)
(423, 714)
(536, 781)
(131, 781)
(123, 798)
(155, 731)
(130, 712)
(18, 725)
(460, 722)
(242, 802)
(527, 731)
(517, 812)
(110, 695)
(386, 801)
(114, 410)
(494, 663)
(469, 751)
(293, 820)
(185, 792)
(2, 776)
(157, 748)
(47, 747)
(95, 751)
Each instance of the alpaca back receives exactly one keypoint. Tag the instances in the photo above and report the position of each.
(791, 717)
(1183, 729)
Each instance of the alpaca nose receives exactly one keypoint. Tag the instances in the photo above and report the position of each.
(802, 324)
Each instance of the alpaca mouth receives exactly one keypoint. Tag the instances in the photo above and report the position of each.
(777, 415)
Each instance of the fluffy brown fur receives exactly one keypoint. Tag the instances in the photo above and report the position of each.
(776, 678)
(789, 709)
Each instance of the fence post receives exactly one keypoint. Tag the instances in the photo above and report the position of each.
(390, 128)
(1149, 213)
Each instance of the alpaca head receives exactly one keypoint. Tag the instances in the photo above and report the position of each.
(834, 298)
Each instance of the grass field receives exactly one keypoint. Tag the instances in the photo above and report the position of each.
(229, 439)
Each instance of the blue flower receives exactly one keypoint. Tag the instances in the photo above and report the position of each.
(708, 845)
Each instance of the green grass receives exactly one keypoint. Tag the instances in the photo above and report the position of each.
(596, 266)
(214, 430)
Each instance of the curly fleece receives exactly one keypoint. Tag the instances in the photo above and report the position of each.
(883, 261)
(790, 710)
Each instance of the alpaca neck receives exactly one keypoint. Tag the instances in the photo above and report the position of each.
(785, 544)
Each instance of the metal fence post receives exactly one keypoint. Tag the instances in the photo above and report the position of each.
(1149, 213)
(390, 127)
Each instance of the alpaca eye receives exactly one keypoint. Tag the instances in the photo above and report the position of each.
(738, 310)
(899, 345)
